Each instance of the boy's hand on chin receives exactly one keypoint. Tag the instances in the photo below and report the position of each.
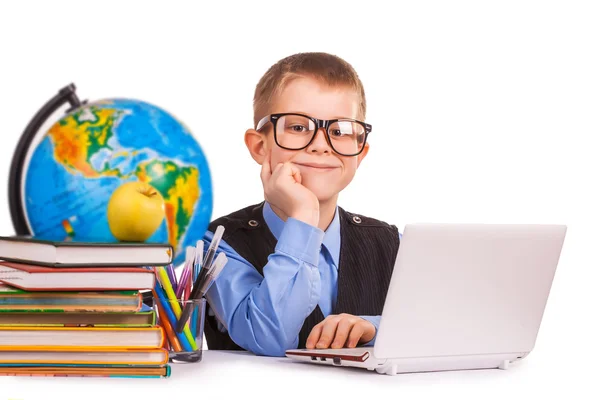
(343, 330)
(283, 189)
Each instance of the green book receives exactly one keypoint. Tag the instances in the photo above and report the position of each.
(12, 299)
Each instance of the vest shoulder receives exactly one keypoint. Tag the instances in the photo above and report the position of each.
(236, 217)
(357, 219)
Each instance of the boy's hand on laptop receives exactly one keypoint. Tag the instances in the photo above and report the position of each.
(343, 330)
(283, 189)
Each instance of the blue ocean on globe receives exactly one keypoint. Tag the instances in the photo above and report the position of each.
(91, 151)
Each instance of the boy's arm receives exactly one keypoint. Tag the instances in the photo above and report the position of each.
(265, 314)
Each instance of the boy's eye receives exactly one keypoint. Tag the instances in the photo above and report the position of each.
(339, 133)
(298, 128)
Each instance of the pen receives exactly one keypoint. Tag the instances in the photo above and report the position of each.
(186, 274)
(188, 286)
(197, 317)
(172, 276)
(195, 295)
(199, 258)
(196, 271)
(214, 272)
(208, 260)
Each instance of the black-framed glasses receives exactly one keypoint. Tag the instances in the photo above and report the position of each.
(292, 131)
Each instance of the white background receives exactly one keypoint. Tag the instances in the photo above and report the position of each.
(481, 112)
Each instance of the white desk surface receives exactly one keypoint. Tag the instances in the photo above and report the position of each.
(243, 375)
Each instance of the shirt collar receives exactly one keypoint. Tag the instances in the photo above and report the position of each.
(331, 239)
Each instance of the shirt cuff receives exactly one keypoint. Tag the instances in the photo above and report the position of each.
(301, 240)
(374, 319)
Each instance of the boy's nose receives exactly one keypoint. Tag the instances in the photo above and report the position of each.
(319, 143)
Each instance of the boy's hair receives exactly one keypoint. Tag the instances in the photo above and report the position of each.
(326, 68)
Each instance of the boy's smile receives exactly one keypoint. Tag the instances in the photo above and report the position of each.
(316, 166)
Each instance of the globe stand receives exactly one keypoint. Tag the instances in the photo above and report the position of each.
(17, 211)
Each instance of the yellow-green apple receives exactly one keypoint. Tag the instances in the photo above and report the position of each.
(135, 211)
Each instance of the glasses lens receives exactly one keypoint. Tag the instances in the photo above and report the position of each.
(347, 137)
(294, 131)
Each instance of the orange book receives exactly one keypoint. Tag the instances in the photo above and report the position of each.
(71, 355)
(84, 338)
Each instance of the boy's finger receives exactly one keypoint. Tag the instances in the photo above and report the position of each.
(295, 171)
(327, 334)
(355, 334)
(265, 171)
(286, 168)
(315, 334)
(341, 334)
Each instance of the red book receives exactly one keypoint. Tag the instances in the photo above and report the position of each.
(38, 278)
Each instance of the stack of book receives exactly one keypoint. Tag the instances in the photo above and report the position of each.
(77, 309)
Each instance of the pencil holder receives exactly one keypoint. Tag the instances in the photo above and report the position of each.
(184, 345)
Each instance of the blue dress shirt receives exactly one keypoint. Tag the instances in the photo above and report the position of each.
(265, 314)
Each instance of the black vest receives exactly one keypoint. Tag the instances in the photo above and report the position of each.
(367, 255)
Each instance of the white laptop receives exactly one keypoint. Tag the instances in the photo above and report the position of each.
(461, 297)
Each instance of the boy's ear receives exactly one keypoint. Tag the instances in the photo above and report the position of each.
(363, 154)
(256, 144)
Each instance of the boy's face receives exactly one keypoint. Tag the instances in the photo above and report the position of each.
(323, 171)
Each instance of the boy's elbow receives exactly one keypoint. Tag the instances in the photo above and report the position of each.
(269, 345)
(269, 351)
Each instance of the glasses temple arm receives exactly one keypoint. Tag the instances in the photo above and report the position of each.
(262, 122)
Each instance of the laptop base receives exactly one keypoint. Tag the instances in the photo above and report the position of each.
(364, 358)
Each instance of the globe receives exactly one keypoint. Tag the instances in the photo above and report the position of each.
(96, 147)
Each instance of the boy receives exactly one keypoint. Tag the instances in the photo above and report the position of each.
(302, 272)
